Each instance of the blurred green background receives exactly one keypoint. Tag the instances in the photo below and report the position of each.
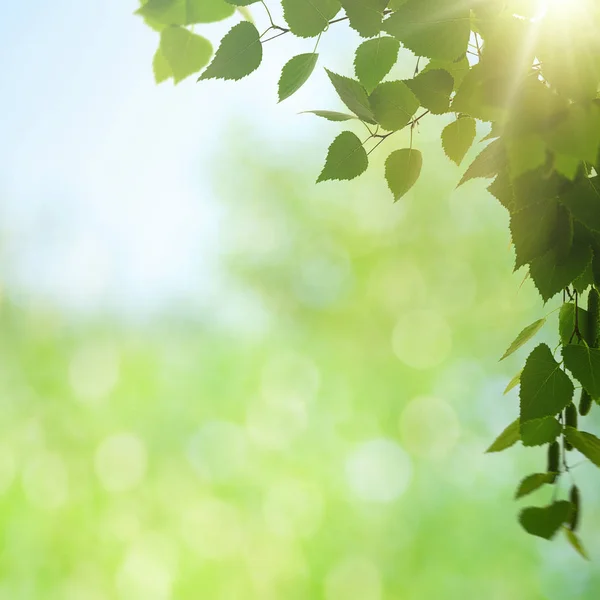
(222, 381)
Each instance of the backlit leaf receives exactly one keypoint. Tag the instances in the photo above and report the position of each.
(510, 436)
(185, 52)
(393, 104)
(308, 18)
(353, 95)
(346, 158)
(432, 88)
(295, 73)
(402, 169)
(524, 337)
(457, 138)
(533, 482)
(374, 59)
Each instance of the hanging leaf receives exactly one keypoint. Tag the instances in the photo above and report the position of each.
(587, 443)
(514, 382)
(308, 18)
(510, 436)
(184, 52)
(458, 137)
(295, 74)
(374, 60)
(239, 54)
(575, 543)
(584, 364)
(393, 105)
(402, 169)
(487, 164)
(353, 95)
(531, 483)
(524, 337)
(537, 432)
(160, 67)
(365, 16)
(566, 322)
(545, 521)
(433, 88)
(346, 158)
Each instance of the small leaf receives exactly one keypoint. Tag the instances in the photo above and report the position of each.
(587, 443)
(510, 436)
(433, 89)
(514, 382)
(524, 337)
(534, 482)
(239, 54)
(458, 137)
(308, 18)
(584, 364)
(545, 387)
(393, 104)
(374, 59)
(536, 432)
(330, 115)
(184, 52)
(365, 16)
(346, 158)
(295, 74)
(575, 543)
(402, 169)
(545, 521)
(487, 164)
(353, 95)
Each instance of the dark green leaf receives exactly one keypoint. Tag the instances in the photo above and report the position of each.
(545, 388)
(510, 436)
(402, 169)
(566, 322)
(346, 158)
(353, 95)
(184, 52)
(540, 431)
(545, 521)
(524, 337)
(587, 443)
(295, 73)
(393, 104)
(457, 138)
(583, 200)
(374, 59)
(308, 18)
(433, 88)
(487, 164)
(584, 364)
(534, 482)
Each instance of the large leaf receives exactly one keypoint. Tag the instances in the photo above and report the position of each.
(510, 436)
(402, 169)
(433, 28)
(458, 137)
(353, 95)
(374, 59)
(239, 54)
(365, 16)
(295, 73)
(533, 482)
(432, 88)
(525, 152)
(540, 431)
(583, 200)
(308, 18)
(346, 158)
(393, 105)
(184, 52)
(584, 363)
(524, 337)
(578, 134)
(488, 163)
(587, 443)
(185, 12)
(545, 388)
(545, 521)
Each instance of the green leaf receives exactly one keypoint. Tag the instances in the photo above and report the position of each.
(525, 152)
(540, 431)
(551, 274)
(330, 115)
(566, 322)
(239, 54)
(242, 2)
(587, 443)
(184, 52)
(346, 158)
(433, 28)
(185, 12)
(524, 337)
(393, 105)
(365, 16)
(576, 543)
(433, 88)
(457, 138)
(402, 169)
(566, 165)
(584, 280)
(545, 388)
(487, 164)
(584, 364)
(583, 200)
(308, 18)
(374, 59)
(545, 521)
(160, 67)
(514, 382)
(295, 74)
(457, 68)
(533, 482)
(510, 436)
(353, 95)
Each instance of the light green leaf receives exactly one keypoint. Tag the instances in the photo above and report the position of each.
(488, 163)
(185, 12)
(433, 88)
(566, 322)
(402, 169)
(510, 436)
(295, 74)
(353, 95)
(184, 52)
(365, 16)
(576, 543)
(457, 138)
(330, 115)
(433, 28)
(374, 59)
(346, 158)
(540, 431)
(584, 364)
(160, 67)
(545, 388)
(524, 337)
(545, 521)
(242, 2)
(587, 443)
(393, 104)
(457, 68)
(566, 165)
(308, 18)
(514, 382)
(525, 152)
(239, 54)
(533, 482)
